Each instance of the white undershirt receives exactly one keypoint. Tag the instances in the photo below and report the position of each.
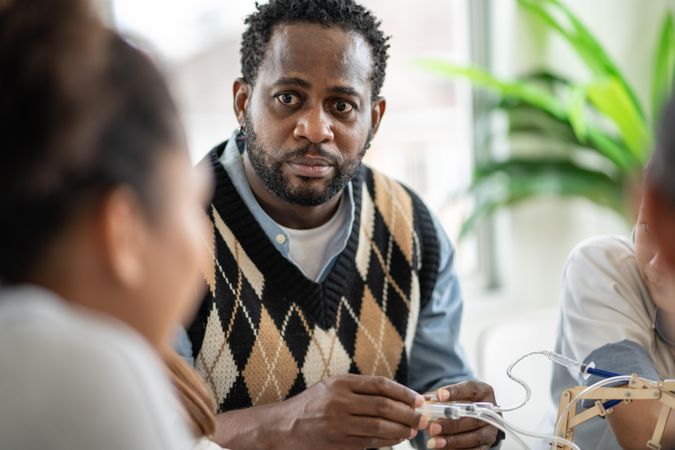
(308, 249)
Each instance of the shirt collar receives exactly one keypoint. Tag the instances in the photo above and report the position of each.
(232, 162)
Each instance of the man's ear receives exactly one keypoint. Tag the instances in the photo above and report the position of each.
(241, 92)
(124, 231)
(659, 213)
(376, 113)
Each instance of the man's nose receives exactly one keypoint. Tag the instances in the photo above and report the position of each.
(315, 126)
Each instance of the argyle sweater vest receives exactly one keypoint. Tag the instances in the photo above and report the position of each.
(265, 332)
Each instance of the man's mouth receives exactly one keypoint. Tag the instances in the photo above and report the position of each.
(311, 167)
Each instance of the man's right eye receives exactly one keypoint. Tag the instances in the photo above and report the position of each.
(288, 99)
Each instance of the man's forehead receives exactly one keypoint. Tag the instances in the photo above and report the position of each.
(329, 53)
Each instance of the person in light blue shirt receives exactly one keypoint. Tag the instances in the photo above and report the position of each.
(333, 299)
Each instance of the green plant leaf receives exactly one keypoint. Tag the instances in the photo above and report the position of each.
(614, 150)
(664, 67)
(587, 46)
(577, 109)
(546, 77)
(515, 180)
(551, 82)
(524, 118)
(521, 91)
(565, 118)
(610, 99)
(512, 89)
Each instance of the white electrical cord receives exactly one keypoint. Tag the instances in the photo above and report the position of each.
(485, 412)
(502, 425)
(515, 429)
(591, 388)
(489, 413)
(528, 391)
(554, 357)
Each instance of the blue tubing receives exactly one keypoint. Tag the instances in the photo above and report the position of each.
(602, 373)
(605, 374)
(611, 403)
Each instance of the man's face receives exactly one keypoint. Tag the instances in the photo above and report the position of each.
(310, 116)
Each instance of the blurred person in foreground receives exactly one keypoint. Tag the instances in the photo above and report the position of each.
(618, 307)
(101, 240)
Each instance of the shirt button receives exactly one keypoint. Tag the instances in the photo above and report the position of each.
(281, 239)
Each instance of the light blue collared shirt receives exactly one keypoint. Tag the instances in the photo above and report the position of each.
(436, 357)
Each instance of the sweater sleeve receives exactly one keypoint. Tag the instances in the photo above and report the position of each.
(437, 357)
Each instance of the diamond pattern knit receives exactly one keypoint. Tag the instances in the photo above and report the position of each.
(265, 332)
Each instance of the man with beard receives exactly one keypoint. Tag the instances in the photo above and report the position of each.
(332, 296)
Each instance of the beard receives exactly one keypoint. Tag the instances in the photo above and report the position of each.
(269, 170)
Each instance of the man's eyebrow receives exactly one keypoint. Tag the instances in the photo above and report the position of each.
(344, 90)
(293, 81)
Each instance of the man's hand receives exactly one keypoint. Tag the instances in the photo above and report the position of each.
(466, 432)
(352, 412)
(346, 412)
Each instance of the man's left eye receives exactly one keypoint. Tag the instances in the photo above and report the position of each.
(342, 106)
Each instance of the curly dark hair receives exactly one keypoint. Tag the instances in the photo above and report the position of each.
(660, 168)
(345, 14)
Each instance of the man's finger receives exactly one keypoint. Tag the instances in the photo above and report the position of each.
(386, 408)
(442, 445)
(371, 385)
(373, 427)
(473, 391)
(448, 426)
(369, 442)
(484, 436)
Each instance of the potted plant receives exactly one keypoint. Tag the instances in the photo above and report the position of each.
(594, 136)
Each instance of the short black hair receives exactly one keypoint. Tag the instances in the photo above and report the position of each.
(345, 14)
(661, 167)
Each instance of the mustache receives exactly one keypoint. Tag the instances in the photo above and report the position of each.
(315, 151)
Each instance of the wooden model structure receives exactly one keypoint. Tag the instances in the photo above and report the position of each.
(636, 389)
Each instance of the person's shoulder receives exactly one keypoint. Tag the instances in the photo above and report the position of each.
(602, 271)
(36, 324)
(56, 358)
(114, 350)
(608, 253)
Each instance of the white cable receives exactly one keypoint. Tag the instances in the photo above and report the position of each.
(507, 431)
(499, 423)
(555, 358)
(488, 412)
(515, 429)
(528, 391)
(589, 389)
